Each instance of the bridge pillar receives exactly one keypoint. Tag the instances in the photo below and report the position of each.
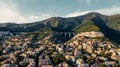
(69, 35)
(65, 34)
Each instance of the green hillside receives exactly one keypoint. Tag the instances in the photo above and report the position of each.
(114, 24)
(86, 26)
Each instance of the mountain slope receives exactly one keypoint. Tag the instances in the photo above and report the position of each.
(64, 24)
(86, 26)
(114, 22)
(109, 25)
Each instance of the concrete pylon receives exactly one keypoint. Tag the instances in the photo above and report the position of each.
(69, 35)
(65, 34)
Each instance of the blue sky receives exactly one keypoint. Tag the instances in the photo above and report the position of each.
(25, 11)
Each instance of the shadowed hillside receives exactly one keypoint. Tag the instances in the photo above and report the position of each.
(93, 21)
(111, 34)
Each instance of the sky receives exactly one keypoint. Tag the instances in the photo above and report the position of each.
(27, 11)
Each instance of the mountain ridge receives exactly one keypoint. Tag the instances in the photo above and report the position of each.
(61, 23)
(108, 25)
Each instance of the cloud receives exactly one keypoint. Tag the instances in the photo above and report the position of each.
(11, 14)
(8, 14)
(45, 16)
(34, 18)
(87, 1)
(106, 11)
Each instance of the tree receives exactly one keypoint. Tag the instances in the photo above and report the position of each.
(58, 58)
(102, 65)
(25, 64)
